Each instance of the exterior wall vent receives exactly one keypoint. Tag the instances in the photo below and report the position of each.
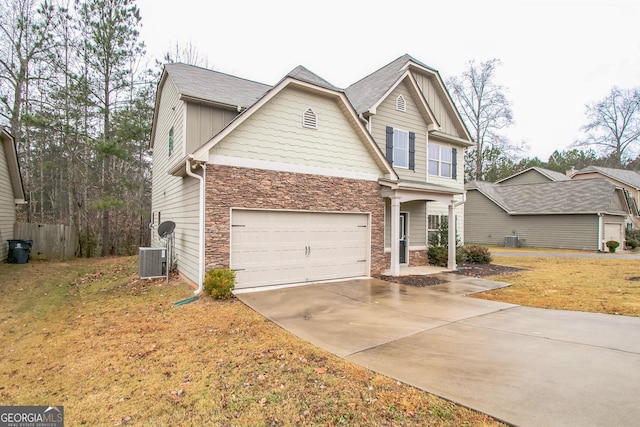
(511, 242)
(309, 119)
(401, 105)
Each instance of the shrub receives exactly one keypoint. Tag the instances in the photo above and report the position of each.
(612, 245)
(477, 254)
(632, 243)
(219, 282)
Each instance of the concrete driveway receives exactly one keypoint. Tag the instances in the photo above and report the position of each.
(526, 366)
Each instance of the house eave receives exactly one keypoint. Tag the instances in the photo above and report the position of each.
(450, 138)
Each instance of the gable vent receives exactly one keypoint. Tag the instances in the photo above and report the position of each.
(401, 105)
(309, 119)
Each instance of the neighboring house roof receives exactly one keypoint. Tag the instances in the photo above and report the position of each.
(631, 178)
(11, 154)
(548, 173)
(588, 196)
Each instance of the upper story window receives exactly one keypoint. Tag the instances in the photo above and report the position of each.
(401, 105)
(170, 141)
(400, 148)
(442, 161)
(310, 119)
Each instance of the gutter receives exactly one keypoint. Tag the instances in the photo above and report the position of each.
(200, 221)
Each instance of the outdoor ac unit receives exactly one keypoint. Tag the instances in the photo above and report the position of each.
(511, 242)
(152, 263)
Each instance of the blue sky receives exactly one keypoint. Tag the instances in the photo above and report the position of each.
(556, 55)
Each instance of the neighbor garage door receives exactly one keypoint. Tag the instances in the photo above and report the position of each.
(280, 247)
(612, 231)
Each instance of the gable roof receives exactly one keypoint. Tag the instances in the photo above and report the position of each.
(302, 78)
(631, 178)
(369, 91)
(547, 173)
(11, 154)
(587, 196)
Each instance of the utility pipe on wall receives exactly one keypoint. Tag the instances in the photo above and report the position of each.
(200, 222)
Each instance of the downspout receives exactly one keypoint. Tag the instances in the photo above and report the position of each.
(599, 232)
(200, 222)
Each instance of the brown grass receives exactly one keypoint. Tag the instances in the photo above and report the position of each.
(597, 285)
(114, 350)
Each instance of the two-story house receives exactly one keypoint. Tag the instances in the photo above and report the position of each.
(303, 181)
(11, 189)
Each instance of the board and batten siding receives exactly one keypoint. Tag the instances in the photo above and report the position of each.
(175, 198)
(275, 133)
(440, 111)
(488, 224)
(7, 205)
(410, 120)
(203, 122)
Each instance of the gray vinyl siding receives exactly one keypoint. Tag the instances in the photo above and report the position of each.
(175, 198)
(440, 111)
(529, 177)
(203, 122)
(410, 121)
(275, 133)
(488, 224)
(7, 205)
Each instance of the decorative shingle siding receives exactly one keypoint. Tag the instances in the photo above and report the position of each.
(234, 187)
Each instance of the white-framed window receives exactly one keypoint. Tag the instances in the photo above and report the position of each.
(401, 104)
(400, 148)
(309, 119)
(433, 226)
(440, 160)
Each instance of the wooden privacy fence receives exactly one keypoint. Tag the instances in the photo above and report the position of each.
(50, 241)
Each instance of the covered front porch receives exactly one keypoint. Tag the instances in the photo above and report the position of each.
(400, 192)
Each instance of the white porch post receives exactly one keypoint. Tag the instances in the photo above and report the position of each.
(395, 236)
(451, 264)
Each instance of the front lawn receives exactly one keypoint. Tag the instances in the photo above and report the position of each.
(598, 285)
(114, 350)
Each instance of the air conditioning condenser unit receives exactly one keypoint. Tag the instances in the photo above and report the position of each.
(152, 263)
(511, 242)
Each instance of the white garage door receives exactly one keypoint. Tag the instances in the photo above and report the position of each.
(279, 247)
(612, 231)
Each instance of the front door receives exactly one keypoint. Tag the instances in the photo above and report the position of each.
(403, 237)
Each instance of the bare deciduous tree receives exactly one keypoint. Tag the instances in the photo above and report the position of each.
(484, 107)
(614, 123)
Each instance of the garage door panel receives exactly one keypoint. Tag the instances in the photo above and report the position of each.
(279, 247)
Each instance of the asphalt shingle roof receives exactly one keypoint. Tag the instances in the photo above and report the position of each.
(557, 197)
(624, 176)
(215, 86)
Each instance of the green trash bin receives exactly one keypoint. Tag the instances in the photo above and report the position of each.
(19, 251)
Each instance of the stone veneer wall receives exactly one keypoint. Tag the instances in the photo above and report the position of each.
(235, 187)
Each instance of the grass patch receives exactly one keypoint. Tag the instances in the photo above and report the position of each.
(597, 285)
(89, 335)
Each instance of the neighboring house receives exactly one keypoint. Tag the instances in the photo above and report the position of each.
(533, 175)
(628, 180)
(11, 189)
(303, 181)
(566, 214)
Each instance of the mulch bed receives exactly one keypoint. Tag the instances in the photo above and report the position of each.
(473, 270)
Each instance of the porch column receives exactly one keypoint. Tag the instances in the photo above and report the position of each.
(451, 264)
(395, 236)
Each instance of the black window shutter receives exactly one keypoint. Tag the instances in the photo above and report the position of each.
(412, 151)
(454, 163)
(390, 144)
